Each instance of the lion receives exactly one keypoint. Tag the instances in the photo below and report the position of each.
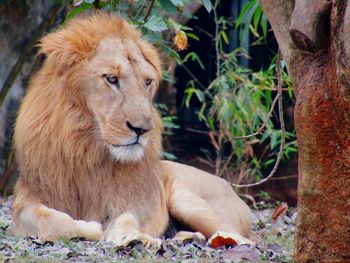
(88, 146)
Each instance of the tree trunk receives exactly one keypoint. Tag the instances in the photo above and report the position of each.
(322, 119)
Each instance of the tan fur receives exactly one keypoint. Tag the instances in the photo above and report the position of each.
(77, 177)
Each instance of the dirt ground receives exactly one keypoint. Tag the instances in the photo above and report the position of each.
(275, 246)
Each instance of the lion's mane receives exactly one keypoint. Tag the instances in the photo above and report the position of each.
(61, 161)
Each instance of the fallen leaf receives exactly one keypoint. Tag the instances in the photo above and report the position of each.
(282, 209)
(277, 248)
(180, 40)
(221, 238)
(239, 253)
(222, 241)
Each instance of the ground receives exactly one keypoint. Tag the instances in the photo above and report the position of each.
(276, 245)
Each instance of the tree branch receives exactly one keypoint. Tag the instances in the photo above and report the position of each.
(259, 131)
(217, 51)
(149, 10)
(263, 125)
(308, 23)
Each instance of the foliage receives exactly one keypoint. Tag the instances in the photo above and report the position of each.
(252, 19)
(168, 124)
(237, 104)
(152, 17)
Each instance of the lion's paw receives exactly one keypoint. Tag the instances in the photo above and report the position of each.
(124, 240)
(181, 236)
(91, 230)
(150, 242)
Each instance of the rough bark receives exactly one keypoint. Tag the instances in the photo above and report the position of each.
(322, 119)
(308, 21)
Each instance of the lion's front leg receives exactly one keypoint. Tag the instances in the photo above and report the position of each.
(125, 229)
(49, 224)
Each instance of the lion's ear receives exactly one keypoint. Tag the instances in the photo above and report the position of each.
(61, 49)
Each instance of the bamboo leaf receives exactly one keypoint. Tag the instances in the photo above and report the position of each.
(207, 5)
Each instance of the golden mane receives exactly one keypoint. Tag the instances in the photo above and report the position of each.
(60, 159)
(78, 39)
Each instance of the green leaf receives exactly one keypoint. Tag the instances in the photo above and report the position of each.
(195, 58)
(211, 122)
(256, 17)
(168, 122)
(172, 53)
(167, 6)
(156, 24)
(252, 29)
(77, 10)
(273, 138)
(190, 91)
(201, 112)
(243, 14)
(264, 25)
(177, 2)
(200, 95)
(174, 24)
(207, 4)
(193, 36)
(168, 156)
(224, 37)
(268, 162)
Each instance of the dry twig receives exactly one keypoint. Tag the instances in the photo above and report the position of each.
(149, 10)
(283, 129)
(262, 127)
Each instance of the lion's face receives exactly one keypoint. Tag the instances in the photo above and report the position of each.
(119, 90)
(109, 75)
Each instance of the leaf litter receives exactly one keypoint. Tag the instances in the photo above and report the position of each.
(275, 245)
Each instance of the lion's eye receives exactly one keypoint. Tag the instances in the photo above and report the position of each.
(112, 79)
(149, 82)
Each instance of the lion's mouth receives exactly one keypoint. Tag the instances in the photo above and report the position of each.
(126, 145)
(139, 141)
(128, 152)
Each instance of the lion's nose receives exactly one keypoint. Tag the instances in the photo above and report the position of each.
(140, 129)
